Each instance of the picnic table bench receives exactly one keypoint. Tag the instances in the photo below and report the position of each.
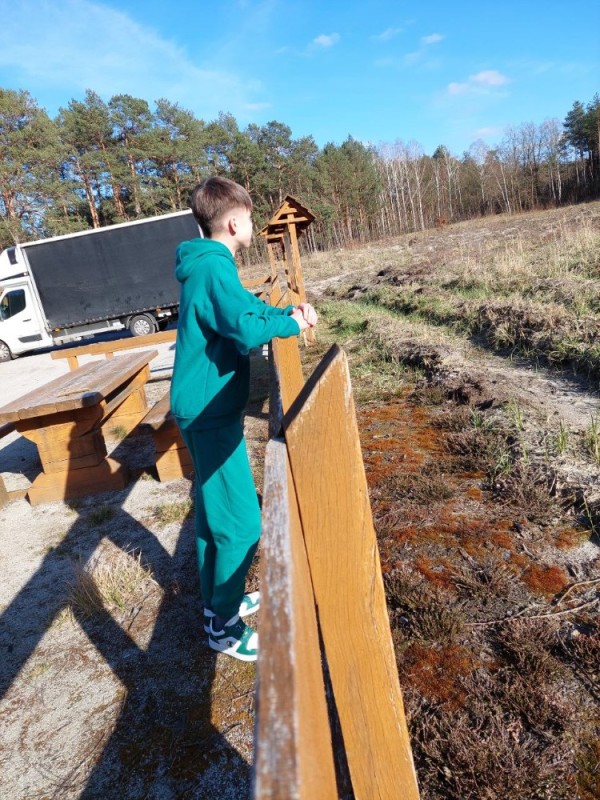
(5, 429)
(64, 419)
(173, 459)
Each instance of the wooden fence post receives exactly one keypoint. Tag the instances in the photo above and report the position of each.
(294, 757)
(321, 433)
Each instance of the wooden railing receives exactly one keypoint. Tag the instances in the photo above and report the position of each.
(262, 287)
(330, 717)
(108, 349)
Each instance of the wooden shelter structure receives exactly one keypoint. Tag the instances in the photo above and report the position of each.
(282, 232)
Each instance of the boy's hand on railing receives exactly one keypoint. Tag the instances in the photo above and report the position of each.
(305, 316)
(297, 315)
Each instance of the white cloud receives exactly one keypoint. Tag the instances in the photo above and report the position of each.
(485, 133)
(434, 38)
(78, 44)
(458, 88)
(257, 106)
(327, 39)
(481, 83)
(426, 42)
(489, 77)
(387, 34)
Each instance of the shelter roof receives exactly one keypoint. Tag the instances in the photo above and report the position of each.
(290, 211)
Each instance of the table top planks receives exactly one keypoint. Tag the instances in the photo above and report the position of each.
(86, 386)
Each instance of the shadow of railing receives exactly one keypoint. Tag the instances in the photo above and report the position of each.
(163, 736)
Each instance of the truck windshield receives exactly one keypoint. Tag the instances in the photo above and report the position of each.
(12, 303)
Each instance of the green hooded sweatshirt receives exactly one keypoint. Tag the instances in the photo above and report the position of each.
(219, 322)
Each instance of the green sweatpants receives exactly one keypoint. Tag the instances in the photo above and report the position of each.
(227, 514)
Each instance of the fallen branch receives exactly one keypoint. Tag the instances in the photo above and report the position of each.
(576, 585)
(520, 615)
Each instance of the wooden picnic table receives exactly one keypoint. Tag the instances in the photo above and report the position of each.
(64, 418)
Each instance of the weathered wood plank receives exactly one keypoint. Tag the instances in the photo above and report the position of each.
(275, 405)
(86, 386)
(286, 356)
(3, 493)
(108, 348)
(308, 334)
(172, 457)
(293, 752)
(174, 464)
(62, 425)
(160, 411)
(108, 476)
(326, 461)
(62, 448)
(275, 297)
(254, 282)
(129, 399)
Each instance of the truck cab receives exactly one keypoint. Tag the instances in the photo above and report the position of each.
(21, 324)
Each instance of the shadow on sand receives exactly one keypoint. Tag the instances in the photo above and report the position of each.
(163, 744)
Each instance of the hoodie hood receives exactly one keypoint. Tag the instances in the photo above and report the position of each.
(190, 253)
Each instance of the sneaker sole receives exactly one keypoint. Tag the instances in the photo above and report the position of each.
(231, 651)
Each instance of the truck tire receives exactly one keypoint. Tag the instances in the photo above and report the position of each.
(5, 354)
(142, 325)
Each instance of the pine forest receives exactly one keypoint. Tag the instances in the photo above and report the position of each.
(99, 163)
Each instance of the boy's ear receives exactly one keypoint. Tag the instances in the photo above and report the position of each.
(231, 224)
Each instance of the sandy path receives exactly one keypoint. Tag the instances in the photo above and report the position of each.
(128, 702)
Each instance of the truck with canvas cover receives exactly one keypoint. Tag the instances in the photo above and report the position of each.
(64, 288)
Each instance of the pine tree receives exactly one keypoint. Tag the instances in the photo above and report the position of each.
(28, 151)
(131, 121)
(87, 133)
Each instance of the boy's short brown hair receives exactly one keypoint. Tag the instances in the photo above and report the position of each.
(213, 197)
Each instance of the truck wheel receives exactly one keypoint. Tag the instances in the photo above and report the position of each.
(5, 354)
(142, 325)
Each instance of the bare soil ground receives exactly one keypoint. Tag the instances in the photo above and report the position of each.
(482, 457)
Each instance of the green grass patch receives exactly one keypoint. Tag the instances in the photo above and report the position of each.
(176, 511)
(101, 514)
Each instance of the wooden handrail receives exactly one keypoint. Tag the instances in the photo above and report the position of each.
(319, 551)
(108, 349)
(293, 754)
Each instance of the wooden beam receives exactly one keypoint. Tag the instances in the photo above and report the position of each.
(286, 357)
(321, 433)
(293, 749)
(109, 348)
(309, 334)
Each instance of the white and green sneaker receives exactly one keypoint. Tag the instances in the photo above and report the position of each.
(249, 605)
(235, 639)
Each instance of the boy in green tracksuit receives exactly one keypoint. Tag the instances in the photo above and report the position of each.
(219, 322)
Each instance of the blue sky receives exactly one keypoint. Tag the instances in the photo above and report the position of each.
(381, 70)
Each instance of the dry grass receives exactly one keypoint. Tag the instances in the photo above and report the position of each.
(531, 289)
(118, 432)
(113, 580)
(100, 515)
(473, 531)
(175, 512)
